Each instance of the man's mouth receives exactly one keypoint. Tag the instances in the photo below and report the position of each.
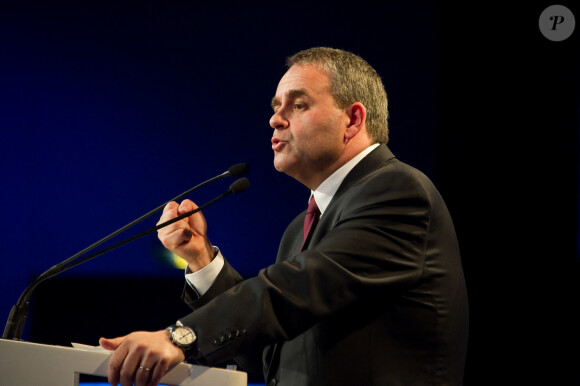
(277, 144)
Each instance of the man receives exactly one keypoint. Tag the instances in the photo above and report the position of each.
(373, 294)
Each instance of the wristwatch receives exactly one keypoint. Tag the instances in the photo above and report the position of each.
(183, 337)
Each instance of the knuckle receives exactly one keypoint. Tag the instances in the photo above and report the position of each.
(140, 346)
(113, 366)
(164, 361)
(125, 374)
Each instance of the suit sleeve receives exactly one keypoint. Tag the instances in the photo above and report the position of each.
(372, 245)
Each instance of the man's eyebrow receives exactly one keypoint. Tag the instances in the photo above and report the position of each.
(290, 94)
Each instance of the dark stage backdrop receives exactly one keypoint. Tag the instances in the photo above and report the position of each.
(108, 109)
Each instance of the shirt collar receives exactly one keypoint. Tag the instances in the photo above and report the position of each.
(323, 195)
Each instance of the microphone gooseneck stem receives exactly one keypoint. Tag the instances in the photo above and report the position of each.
(17, 318)
(135, 222)
(238, 186)
(18, 314)
(66, 267)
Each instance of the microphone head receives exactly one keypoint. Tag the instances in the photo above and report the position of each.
(239, 185)
(238, 169)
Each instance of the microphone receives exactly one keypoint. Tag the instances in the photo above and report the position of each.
(17, 318)
(234, 171)
(237, 170)
(237, 187)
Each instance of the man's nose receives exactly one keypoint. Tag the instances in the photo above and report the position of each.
(278, 120)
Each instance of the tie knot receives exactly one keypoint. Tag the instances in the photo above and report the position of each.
(312, 206)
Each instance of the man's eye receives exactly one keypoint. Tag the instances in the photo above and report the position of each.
(299, 106)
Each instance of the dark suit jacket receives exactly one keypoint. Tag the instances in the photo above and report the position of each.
(377, 298)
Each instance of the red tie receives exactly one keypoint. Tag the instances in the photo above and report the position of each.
(312, 216)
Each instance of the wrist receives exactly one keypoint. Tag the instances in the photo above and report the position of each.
(203, 259)
(184, 338)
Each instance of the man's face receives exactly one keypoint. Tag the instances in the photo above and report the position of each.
(308, 127)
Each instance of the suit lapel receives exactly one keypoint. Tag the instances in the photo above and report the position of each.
(368, 164)
(371, 162)
(291, 246)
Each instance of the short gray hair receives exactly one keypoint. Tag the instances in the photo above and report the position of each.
(352, 80)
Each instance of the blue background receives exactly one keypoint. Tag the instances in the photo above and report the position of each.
(108, 109)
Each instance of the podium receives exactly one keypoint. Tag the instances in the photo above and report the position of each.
(25, 363)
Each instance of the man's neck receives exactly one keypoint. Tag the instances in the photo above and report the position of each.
(326, 190)
(351, 150)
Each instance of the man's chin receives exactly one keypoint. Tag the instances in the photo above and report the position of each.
(279, 163)
(283, 167)
(279, 168)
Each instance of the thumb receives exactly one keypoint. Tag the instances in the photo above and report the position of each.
(111, 344)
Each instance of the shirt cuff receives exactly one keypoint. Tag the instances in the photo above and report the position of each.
(201, 280)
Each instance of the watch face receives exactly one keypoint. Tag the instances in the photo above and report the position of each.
(183, 336)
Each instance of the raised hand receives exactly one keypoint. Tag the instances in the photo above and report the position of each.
(187, 237)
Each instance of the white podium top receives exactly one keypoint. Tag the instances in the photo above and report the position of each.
(25, 363)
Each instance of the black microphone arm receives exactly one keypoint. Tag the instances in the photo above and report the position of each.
(237, 187)
(18, 314)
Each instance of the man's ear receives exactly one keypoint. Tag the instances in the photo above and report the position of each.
(357, 115)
